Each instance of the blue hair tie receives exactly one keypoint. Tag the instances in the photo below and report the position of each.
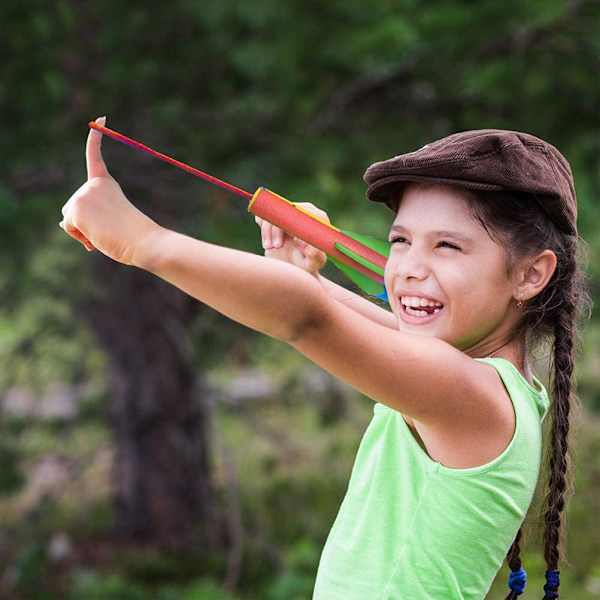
(553, 582)
(517, 580)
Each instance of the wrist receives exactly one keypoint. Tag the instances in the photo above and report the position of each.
(149, 248)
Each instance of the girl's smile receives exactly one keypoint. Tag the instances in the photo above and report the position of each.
(448, 278)
(419, 310)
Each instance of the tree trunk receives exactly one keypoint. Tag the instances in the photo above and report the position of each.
(162, 475)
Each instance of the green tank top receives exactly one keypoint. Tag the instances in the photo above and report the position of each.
(411, 529)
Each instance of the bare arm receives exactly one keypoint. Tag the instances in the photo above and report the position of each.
(357, 303)
(264, 294)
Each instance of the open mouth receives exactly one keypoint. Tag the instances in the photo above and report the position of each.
(420, 307)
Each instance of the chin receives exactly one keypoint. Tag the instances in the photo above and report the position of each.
(404, 328)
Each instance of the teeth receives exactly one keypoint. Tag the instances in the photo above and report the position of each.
(420, 313)
(417, 301)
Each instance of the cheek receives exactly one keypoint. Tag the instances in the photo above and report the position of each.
(388, 281)
(489, 287)
(389, 277)
(388, 273)
(498, 281)
(477, 284)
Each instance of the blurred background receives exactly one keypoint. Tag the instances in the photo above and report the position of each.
(149, 448)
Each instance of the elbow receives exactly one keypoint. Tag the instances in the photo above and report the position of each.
(299, 330)
(308, 313)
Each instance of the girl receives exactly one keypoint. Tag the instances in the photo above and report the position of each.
(482, 264)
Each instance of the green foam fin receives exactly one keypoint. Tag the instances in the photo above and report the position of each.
(365, 283)
(382, 247)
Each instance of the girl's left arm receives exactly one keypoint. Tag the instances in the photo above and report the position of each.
(422, 377)
(264, 294)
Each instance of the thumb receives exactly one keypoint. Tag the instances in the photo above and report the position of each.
(93, 154)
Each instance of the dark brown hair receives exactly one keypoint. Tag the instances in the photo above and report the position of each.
(524, 229)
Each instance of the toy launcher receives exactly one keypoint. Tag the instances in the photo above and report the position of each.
(360, 257)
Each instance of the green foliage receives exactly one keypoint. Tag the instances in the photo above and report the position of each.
(102, 586)
(205, 590)
(30, 567)
(95, 585)
(300, 97)
(11, 477)
(588, 368)
(299, 578)
(43, 340)
(292, 586)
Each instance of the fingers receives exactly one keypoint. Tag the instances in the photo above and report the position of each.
(93, 154)
(276, 238)
(76, 234)
(317, 212)
(272, 237)
(67, 225)
(312, 254)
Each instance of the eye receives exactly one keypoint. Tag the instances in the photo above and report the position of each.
(448, 245)
(398, 240)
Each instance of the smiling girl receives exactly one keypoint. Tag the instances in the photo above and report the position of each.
(482, 265)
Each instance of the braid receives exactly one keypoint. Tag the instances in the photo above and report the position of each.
(518, 578)
(513, 557)
(559, 459)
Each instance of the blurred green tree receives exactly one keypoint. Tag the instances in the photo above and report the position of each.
(300, 97)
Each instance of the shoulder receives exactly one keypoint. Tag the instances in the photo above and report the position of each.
(482, 428)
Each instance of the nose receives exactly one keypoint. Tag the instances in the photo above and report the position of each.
(412, 264)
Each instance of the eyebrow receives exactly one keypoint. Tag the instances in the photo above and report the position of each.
(455, 235)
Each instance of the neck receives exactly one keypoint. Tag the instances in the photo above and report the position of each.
(512, 350)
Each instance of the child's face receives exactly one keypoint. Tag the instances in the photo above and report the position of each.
(446, 277)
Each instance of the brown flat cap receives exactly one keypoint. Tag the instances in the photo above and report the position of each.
(486, 159)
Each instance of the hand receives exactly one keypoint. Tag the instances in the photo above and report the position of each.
(99, 215)
(285, 247)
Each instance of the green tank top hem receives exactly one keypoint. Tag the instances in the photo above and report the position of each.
(410, 528)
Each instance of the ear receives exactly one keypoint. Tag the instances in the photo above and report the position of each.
(534, 274)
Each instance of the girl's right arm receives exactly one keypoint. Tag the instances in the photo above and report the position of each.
(284, 247)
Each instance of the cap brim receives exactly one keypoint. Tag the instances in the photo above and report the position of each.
(389, 189)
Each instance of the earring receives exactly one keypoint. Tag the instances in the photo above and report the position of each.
(519, 303)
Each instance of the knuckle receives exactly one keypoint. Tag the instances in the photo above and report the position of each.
(309, 207)
(95, 183)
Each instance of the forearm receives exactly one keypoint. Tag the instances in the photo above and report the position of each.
(262, 293)
(357, 303)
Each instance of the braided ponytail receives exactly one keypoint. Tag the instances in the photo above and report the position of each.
(564, 336)
(516, 221)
